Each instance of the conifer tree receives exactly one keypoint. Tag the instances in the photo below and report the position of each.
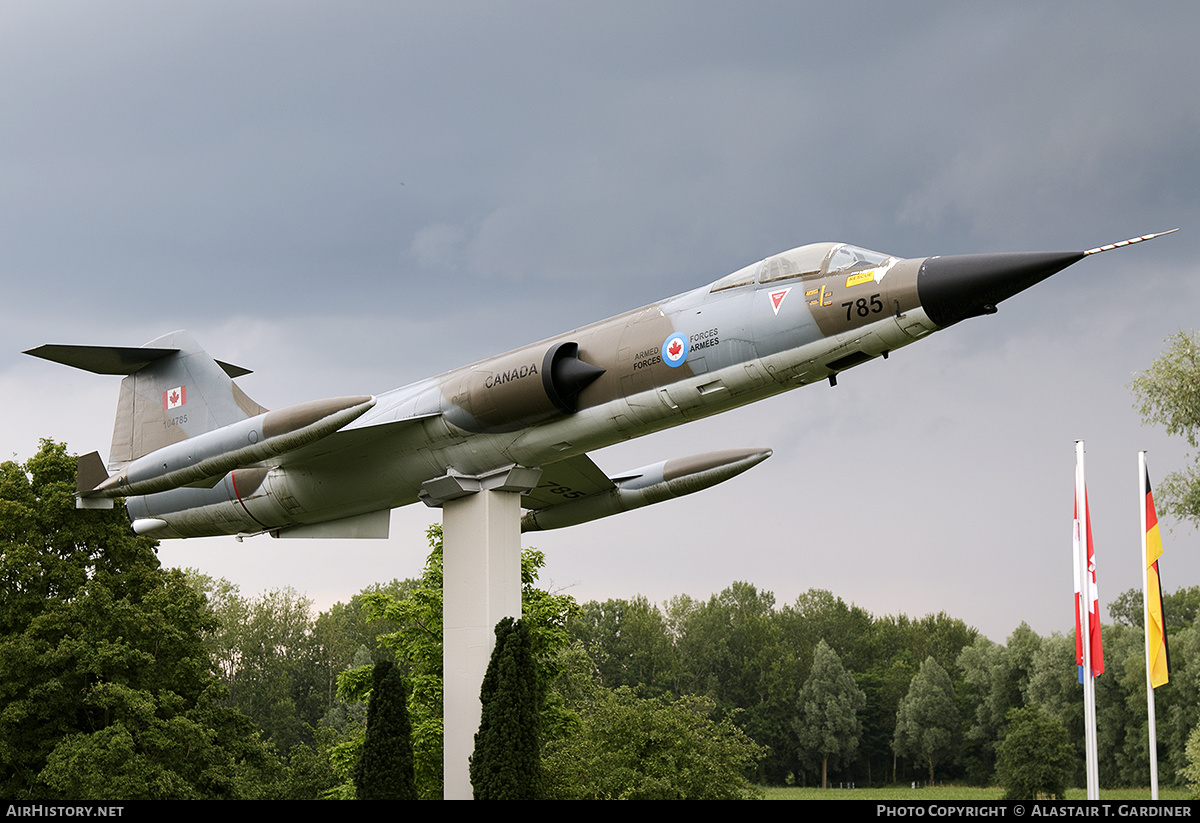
(828, 726)
(927, 722)
(507, 763)
(385, 768)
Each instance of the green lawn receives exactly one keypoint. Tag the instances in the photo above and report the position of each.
(968, 793)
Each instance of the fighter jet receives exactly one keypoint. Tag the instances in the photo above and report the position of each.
(193, 456)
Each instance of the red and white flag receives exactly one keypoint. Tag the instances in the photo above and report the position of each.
(1096, 649)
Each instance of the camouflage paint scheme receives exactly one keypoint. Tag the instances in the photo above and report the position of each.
(194, 456)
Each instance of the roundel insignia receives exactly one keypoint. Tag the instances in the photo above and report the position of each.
(675, 350)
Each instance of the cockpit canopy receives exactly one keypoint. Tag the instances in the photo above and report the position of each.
(813, 260)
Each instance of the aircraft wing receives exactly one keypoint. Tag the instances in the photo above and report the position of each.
(359, 442)
(567, 480)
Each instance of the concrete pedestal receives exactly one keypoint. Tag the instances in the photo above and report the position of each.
(481, 584)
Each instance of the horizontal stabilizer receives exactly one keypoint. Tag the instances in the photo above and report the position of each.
(101, 359)
(114, 359)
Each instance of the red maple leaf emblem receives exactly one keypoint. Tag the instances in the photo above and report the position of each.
(674, 349)
(174, 397)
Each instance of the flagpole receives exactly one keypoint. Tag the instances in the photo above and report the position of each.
(1085, 606)
(1142, 476)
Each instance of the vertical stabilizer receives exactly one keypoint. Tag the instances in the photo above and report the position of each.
(176, 397)
(172, 390)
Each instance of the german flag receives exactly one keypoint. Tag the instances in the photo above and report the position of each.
(1156, 629)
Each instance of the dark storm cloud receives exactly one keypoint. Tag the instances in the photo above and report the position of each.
(347, 197)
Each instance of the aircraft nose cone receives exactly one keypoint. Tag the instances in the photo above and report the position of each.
(956, 287)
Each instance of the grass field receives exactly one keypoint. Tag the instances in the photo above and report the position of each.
(967, 793)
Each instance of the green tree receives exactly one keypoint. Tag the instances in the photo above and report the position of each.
(816, 616)
(345, 630)
(935, 635)
(1036, 758)
(629, 643)
(990, 692)
(1180, 608)
(385, 765)
(828, 725)
(884, 686)
(901, 643)
(309, 774)
(624, 747)
(1168, 393)
(848, 629)
(507, 763)
(1022, 646)
(269, 660)
(731, 649)
(1123, 734)
(106, 684)
(1178, 704)
(417, 646)
(1191, 772)
(1054, 687)
(927, 722)
(279, 665)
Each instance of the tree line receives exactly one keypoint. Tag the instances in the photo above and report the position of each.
(121, 679)
(931, 696)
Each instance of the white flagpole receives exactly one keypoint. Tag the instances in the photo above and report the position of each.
(1085, 607)
(1146, 632)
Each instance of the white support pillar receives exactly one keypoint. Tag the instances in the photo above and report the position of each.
(481, 585)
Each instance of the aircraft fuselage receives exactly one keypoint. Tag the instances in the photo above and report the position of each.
(211, 461)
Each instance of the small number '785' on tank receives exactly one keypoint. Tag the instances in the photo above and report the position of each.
(192, 455)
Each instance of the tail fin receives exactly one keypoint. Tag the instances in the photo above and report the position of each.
(172, 391)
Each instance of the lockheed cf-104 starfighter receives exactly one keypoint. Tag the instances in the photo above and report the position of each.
(192, 455)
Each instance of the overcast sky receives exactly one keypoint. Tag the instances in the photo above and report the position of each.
(347, 197)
